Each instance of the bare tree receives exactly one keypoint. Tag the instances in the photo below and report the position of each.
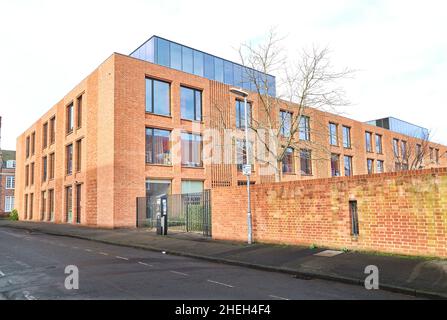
(413, 154)
(306, 83)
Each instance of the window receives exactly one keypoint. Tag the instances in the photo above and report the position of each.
(218, 70)
(52, 130)
(432, 157)
(305, 128)
(198, 63)
(158, 146)
(158, 97)
(78, 156)
(397, 166)
(240, 114)
(51, 166)
(44, 168)
(191, 104)
(27, 175)
(45, 135)
(288, 165)
(69, 159)
(51, 205)
(32, 173)
(10, 164)
(379, 148)
(418, 152)
(404, 166)
(69, 204)
(286, 123)
(348, 166)
(437, 156)
(163, 52)
(403, 148)
(43, 205)
(187, 60)
(306, 162)
(353, 212)
(209, 67)
(79, 111)
(191, 150)
(370, 166)
(26, 206)
(346, 137)
(380, 166)
(78, 202)
(396, 147)
(192, 187)
(27, 146)
(69, 118)
(33, 143)
(176, 56)
(335, 165)
(10, 182)
(333, 134)
(368, 138)
(228, 72)
(31, 206)
(9, 203)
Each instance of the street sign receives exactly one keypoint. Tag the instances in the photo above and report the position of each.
(246, 169)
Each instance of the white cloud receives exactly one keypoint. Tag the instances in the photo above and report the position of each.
(399, 46)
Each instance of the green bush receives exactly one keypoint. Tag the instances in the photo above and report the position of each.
(14, 215)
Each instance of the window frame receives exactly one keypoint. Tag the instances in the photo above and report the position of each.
(152, 102)
(10, 183)
(347, 138)
(350, 162)
(308, 161)
(69, 118)
(379, 143)
(304, 131)
(337, 156)
(282, 122)
(69, 160)
(153, 149)
(368, 142)
(290, 155)
(331, 134)
(241, 113)
(188, 165)
(194, 91)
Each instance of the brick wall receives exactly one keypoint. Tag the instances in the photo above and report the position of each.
(402, 212)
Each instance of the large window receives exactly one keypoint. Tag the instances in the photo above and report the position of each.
(10, 182)
(306, 162)
(368, 141)
(69, 118)
(288, 165)
(9, 203)
(158, 146)
(187, 59)
(191, 104)
(191, 150)
(379, 148)
(346, 137)
(333, 134)
(305, 128)
(348, 166)
(240, 114)
(198, 63)
(69, 159)
(190, 186)
(286, 123)
(176, 56)
(370, 166)
(335, 165)
(158, 97)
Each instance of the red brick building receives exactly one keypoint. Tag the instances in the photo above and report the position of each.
(137, 126)
(7, 179)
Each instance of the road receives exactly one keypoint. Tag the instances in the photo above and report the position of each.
(32, 267)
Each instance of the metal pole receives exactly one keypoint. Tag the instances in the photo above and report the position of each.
(247, 159)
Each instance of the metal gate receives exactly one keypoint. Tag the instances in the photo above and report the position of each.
(186, 212)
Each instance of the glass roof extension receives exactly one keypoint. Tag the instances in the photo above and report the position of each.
(401, 126)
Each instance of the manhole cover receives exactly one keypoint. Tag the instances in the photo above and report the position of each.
(328, 253)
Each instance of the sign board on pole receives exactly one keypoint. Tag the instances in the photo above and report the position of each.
(246, 169)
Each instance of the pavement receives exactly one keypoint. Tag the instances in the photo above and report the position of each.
(419, 277)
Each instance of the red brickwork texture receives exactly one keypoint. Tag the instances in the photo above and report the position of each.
(404, 213)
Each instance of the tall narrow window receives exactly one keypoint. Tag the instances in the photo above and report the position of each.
(333, 134)
(158, 146)
(240, 114)
(158, 97)
(45, 135)
(396, 147)
(78, 156)
(33, 143)
(32, 173)
(26, 206)
(305, 128)
(27, 175)
(27, 146)
(31, 205)
(380, 166)
(286, 123)
(69, 204)
(306, 162)
(191, 104)
(348, 166)
(69, 118)
(43, 205)
(51, 205)
(403, 148)
(368, 141)
(9, 203)
(288, 163)
(370, 166)
(51, 170)
(52, 130)
(437, 156)
(44, 168)
(335, 165)
(69, 159)
(379, 148)
(79, 111)
(10, 182)
(354, 218)
(78, 202)
(346, 137)
(432, 154)
(191, 150)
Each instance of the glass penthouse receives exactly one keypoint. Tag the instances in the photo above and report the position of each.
(402, 127)
(176, 56)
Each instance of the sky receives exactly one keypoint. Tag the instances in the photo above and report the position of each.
(399, 48)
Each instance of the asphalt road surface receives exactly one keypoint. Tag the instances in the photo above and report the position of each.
(32, 266)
